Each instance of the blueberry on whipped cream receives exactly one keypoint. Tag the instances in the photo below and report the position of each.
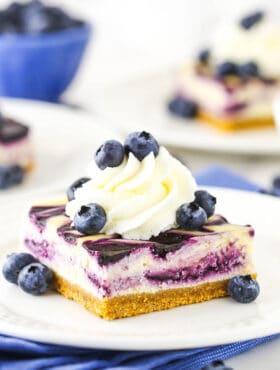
(110, 154)
(140, 196)
(141, 144)
(90, 219)
(191, 216)
(206, 201)
(74, 186)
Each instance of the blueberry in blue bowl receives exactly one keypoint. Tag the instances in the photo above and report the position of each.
(41, 48)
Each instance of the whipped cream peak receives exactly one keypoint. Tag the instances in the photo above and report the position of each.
(140, 198)
(259, 44)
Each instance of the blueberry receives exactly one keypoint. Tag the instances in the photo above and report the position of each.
(276, 182)
(217, 365)
(35, 278)
(243, 289)
(109, 154)
(73, 187)
(205, 201)
(249, 69)
(250, 20)
(226, 69)
(141, 144)
(90, 219)
(190, 216)
(14, 264)
(10, 175)
(182, 107)
(203, 56)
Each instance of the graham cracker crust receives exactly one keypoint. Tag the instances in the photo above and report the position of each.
(236, 125)
(140, 303)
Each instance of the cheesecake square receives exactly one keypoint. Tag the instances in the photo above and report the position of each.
(115, 277)
(229, 103)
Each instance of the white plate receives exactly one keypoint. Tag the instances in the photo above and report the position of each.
(64, 142)
(141, 104)
(54, 319)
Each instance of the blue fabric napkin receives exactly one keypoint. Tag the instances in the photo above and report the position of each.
(16, 353)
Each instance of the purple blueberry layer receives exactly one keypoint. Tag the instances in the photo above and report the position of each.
(220, 262)
(40, 249)
(212, 265)
(11, 130)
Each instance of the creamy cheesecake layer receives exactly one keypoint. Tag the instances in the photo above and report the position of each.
(109, 266)
(239, 100)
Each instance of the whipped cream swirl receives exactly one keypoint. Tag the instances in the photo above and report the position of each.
(140, 197)
(260, 44)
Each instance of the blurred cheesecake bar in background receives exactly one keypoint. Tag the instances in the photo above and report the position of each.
(232, 84)
(16, 155)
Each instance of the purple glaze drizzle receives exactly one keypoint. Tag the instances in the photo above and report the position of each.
(233, 108)
(40, 214)
(112, 249)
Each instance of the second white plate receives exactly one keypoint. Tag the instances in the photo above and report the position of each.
(141, 104)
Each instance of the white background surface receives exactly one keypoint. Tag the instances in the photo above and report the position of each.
(136, 36)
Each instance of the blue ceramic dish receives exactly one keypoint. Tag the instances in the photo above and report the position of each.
(41, 66)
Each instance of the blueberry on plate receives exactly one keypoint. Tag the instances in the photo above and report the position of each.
(35, 278)
(141, 144)
(10, 175)
(243, 289)
(226, 69)
(109, 154)
(206, 201)
(190, 216)
(250, 20)
(203, 56)
(73, 187)
(90, 219)
(14, 263)
(182, 107)
(217, 365)
(249, 69)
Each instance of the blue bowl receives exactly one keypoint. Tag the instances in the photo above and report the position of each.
(41, 66)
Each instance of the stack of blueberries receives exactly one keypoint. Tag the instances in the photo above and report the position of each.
(34, 17)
